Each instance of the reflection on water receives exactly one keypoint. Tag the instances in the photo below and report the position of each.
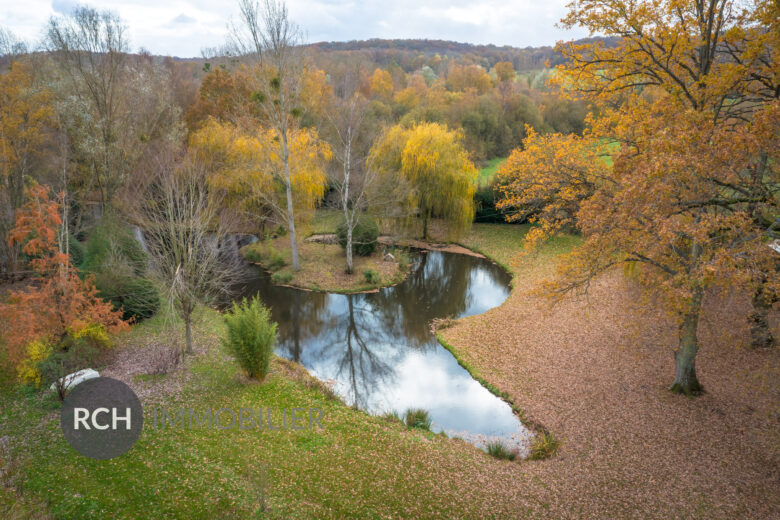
(379, 353)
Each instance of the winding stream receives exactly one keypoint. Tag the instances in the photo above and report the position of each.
(377, 350)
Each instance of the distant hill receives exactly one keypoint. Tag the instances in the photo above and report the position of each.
(527, 58)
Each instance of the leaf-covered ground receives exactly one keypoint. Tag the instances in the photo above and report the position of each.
(594, 371)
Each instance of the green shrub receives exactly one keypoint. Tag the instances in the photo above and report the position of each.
(77, 251)
(281, 278)
(275, 260)
(137, 297)
(364, 236)
(371, 276)
(111, 244)
(544, 446)
(250, 336)
(252, 255)
(498, 450)
(417, 418)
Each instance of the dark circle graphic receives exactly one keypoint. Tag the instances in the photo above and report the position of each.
(101, 418)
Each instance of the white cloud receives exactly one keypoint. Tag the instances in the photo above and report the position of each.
(183, 28)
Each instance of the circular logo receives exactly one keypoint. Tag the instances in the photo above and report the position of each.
(101, 418)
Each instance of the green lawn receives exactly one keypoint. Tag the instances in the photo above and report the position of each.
(358, 466)
(504, 244)
(487, 173)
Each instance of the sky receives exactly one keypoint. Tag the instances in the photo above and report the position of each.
(182, 28)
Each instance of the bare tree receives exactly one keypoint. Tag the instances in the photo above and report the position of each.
(185, 230)
(267, 36)
(350, 133)
(11, 47)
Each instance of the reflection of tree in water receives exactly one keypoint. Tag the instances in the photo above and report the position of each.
(360, 339)
(361, 362)
(439, 287)
(299, 320)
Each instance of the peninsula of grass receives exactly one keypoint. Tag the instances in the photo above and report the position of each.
(323, 266)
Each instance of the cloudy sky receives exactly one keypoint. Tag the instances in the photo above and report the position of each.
(183, 28)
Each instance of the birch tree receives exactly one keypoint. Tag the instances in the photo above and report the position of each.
(267, 36)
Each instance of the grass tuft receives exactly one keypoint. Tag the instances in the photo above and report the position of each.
(497, 450)
(418, 418)
(544, 446)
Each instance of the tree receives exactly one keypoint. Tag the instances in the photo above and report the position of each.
(185, 228)
(505, 71)
(351, 131)
(60, 300)
(111, 105)
(546, 181)
(92, 50)
(685, 202)
(428, 162)
(273, 42)
(381, 84)
(25, 117)
(248, 170)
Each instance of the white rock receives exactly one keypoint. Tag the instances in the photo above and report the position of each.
(75, 378)
(389, 258)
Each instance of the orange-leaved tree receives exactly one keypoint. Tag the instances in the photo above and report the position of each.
(691, 196)
(25, 114)
(58, 300)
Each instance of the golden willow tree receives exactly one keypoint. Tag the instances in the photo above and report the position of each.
(688, 103)
(430, 172)
(254, 178)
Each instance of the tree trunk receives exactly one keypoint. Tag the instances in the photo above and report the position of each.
(760, 335)
(425, 226)
(685, 380)
(188, 333)
(348, 251)
(290, 211)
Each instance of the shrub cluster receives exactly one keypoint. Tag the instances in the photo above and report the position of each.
(119, 264)
(417, 418)
(250, 336)
(364, 236)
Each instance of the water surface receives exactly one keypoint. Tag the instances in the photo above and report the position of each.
(377, 350)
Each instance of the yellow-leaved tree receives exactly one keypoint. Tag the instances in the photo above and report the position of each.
(248, 169)
(432, 173)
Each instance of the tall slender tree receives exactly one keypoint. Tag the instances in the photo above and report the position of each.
(268, 37)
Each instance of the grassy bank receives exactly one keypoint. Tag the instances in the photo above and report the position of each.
(356, 466)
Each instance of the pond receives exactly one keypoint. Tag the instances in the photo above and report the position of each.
(377, 350)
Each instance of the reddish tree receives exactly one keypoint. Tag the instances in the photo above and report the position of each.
(59, 299)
